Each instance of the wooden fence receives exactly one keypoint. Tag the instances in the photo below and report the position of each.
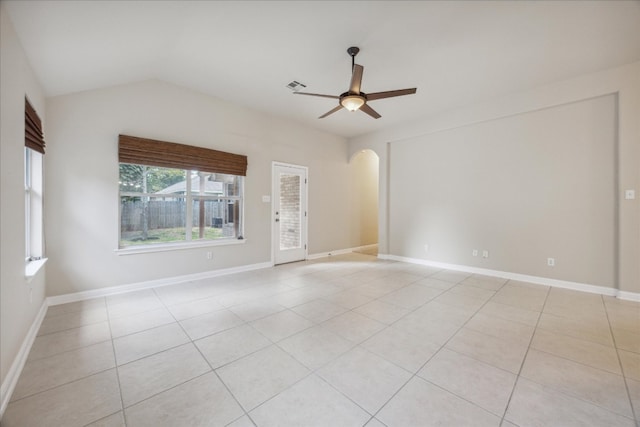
(169, 214)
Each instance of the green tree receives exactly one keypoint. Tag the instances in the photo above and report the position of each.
(161, 178)
(132, 178)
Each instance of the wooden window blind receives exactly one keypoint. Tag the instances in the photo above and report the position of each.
(143, 151)
(33, 136)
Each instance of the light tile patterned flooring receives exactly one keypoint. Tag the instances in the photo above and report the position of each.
(343, 341)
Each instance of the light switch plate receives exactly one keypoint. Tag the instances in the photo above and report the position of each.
(266, 199)
(629, 194)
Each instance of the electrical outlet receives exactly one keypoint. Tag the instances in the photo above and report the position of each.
(551, 262)
(485, 254)
(475, 252)
(209, 255)
(426, 248)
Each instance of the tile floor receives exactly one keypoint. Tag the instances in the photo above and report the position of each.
(344, 341)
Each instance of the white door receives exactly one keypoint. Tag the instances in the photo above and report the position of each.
(289, 213)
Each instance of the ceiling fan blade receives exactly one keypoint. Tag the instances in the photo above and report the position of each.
(356, 79)
(317, 94)
(390, 94)
(370, 111)
(339, 107)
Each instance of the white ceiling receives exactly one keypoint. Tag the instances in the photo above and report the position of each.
(455, 52)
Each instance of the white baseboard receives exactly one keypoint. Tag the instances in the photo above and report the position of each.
(583, 287)
(112, 290)
(340, 251)
(629, 296)
(331, 253)
(365, 247)
(10, 381)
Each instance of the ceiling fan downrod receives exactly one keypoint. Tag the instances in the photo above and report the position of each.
(353, 51)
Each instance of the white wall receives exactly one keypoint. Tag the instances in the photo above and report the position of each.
(534, 117)
(525, 188)
(17, 308)
(82, 181)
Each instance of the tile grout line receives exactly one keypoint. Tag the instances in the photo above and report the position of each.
(61, 385)
(115, 362)
(636, 417)
(515, 383)
(105, 417)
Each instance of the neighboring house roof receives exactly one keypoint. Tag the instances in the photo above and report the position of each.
(210, 187)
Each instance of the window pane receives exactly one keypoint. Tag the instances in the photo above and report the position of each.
(211, 214)
(290, 211)
(27, 203)
(151, 179)
(27, 168)
(219, 217)
(148, 220)
(33, 204)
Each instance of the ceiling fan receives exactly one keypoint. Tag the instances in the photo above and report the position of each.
(354, 99)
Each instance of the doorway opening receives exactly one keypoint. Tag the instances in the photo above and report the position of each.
(365, 166)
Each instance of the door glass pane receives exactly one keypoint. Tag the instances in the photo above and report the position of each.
(290, 212)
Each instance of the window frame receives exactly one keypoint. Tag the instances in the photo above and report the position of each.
(27, 204)
(34, 205)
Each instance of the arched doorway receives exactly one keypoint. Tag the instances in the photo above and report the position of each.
(365, 175)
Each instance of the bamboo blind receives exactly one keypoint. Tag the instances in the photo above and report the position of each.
(143, 151)
(33, 136)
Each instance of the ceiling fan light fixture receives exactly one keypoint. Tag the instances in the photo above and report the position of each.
(352, 102)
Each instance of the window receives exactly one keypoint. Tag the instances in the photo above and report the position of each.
(27, 203)
(33, 185)
(33, 204)
(160, 204)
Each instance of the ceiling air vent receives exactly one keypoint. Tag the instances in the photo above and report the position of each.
(296, 86)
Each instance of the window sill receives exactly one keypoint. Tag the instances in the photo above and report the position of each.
(33, 267)
(176, 246)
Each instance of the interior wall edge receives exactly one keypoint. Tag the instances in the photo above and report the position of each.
(11, 380)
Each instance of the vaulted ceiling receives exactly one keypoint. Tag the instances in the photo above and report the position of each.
(455, 52)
